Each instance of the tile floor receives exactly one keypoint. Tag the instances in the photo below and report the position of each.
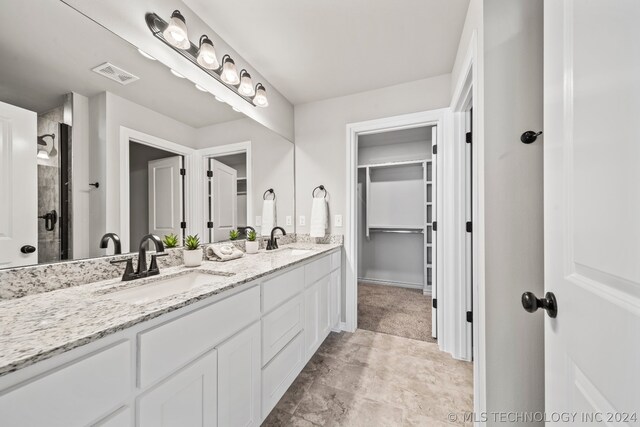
(374, 379)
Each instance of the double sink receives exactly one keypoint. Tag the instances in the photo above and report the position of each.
(163, 288)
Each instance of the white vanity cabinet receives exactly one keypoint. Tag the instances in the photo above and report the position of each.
(186, 399)
(223, 361)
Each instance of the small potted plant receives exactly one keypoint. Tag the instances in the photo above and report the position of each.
(251, 245)
(170, 241)
(192, 253)
(233, 235)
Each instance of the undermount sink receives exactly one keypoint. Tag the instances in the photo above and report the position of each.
(158, 289)
(298, 252)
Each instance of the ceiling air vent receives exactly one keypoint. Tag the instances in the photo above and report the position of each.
(114, 73)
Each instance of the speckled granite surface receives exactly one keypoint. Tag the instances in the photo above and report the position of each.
(328, 239)
(35, 279)
(39, 326)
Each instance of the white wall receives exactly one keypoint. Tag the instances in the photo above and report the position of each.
(272, 162)
(108, 113)
(508, 221)
(80, 189)
(320, 135)
(513, 205)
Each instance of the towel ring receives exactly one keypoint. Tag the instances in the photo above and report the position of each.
(321, 188)
(269, 191)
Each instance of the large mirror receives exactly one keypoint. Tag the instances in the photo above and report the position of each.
(99, 140)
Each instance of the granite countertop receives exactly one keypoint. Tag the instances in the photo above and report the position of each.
(37, 327)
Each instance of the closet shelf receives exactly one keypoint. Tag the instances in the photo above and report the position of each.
(392, 164)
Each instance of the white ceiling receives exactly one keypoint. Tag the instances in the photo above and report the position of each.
(47, 49)
(312, 50)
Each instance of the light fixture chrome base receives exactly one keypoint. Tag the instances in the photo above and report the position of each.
(157, 25)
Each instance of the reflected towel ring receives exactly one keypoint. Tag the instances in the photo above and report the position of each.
(321, 188)
(264, 196)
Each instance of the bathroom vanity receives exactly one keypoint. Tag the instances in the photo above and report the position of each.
(217, 352)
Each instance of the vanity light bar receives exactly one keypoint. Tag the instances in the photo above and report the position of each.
(192, 52)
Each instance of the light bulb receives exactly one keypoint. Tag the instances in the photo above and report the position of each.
(229, 71)
(176, 31)
(207, 54)
(246, 85)
(260, 100)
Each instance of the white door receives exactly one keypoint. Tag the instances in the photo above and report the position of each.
(186, 399)
(592, 208)
(18, 186)
(224, 204)
(239, 379)
(165, 196)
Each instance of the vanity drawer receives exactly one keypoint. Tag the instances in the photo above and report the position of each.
(336, 260)
(279, 289)
(172, 345)
(279, 326)
(75, 395)
(316, 270)
(278, 375)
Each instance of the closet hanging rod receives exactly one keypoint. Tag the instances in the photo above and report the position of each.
(393, 164)
(397, 230)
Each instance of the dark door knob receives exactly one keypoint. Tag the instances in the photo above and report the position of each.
(531, 303)
(27, 249)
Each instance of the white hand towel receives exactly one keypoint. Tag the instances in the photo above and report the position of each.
(222, 252)
(268, 217)
(319, 217)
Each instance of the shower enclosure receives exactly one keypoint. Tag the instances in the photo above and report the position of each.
(53, 151)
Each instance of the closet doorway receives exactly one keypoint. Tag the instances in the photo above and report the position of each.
(396, 242)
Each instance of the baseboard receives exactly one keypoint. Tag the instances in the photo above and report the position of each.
(342, 326)
(392, 283)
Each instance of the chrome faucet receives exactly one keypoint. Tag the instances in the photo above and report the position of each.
(142, 270)
(117, 247)
(273, 241)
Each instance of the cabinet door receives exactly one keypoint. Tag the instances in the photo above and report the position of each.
(239, 379)
(316, 310)
(186, 399)
(334, 299)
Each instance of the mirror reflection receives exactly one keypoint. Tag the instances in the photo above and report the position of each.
(100, 144)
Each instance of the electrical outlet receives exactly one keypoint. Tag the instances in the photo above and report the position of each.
(337, 221)
(289, 220)
(258, 221)
(303, 220)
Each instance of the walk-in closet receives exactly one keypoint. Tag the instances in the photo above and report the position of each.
(396, 241)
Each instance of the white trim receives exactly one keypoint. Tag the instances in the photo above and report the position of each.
(202, 157)
(127, 135)
(395, 284)
(468, 86)
(406, 121)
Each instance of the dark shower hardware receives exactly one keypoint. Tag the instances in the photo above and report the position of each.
(28, 249)
(50, 152)
(266, 193)
(321, 188)
(529, 136)
(117, 246)
(95, 184)
(50, 220)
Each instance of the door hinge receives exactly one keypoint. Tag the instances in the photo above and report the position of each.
(435, 149)
(469, 227)
(210, 174)
(434, 303)
(469, 137)
(470, 316)
(434, 225)
(183, 171)
(183, 225)
(209, 224)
